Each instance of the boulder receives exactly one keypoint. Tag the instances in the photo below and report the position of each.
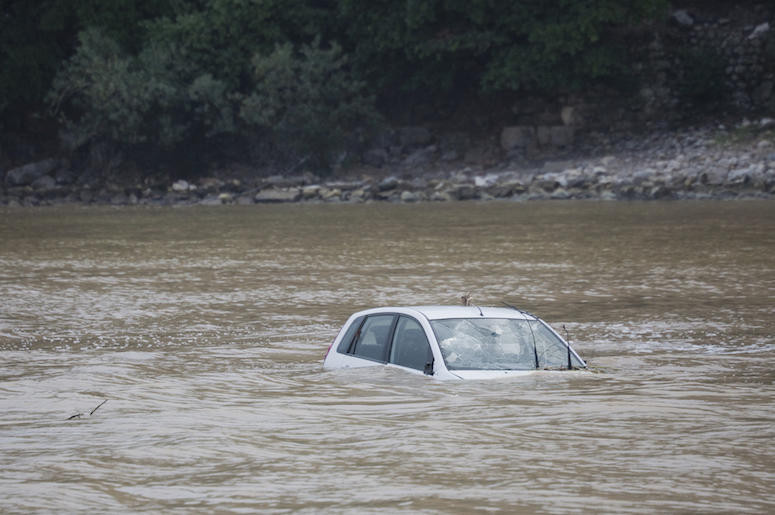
(682, 17)
(388, 183)
(180, 186)
(714, 176)
(27, 174)
(44, 183)
(760, 31)
(311, 191)
(274, 195)
(409, 196)
(331, 194)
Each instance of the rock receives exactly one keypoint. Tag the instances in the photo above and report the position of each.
(211, 200)
(714, 176)
(560, 194)
(310, 192)
(607, 195)
(519, 136)
(388, 183)
(741, 176)
(659, 192)
(283, 182)
(442, 196)
(764, 145)
(180, 186)
(331, 194)
(409, 196)
(27, 174)
(682, 17)
(466, 192)
(544, 183)
(44, 183)
(274, 195)
(760, 31)
(359, 195)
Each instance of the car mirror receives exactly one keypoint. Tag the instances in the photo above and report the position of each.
(428, 370)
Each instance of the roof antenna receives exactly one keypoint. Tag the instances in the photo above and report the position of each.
(466, 299)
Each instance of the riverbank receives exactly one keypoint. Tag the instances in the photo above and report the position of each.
(711, 162)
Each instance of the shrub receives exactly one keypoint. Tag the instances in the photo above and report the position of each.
(307, 102)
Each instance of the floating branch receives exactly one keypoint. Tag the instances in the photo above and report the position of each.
(98, 407)
(79, 415)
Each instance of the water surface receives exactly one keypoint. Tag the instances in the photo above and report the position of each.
(205, 329)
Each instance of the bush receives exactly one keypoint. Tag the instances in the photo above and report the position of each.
(307, 102)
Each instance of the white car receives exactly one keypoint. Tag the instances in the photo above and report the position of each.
(451, 342)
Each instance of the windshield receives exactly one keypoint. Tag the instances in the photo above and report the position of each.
(500, 344)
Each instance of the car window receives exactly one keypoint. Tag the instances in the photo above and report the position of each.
(347, 340)
(372, 342)
(410, 346)
(552, 352)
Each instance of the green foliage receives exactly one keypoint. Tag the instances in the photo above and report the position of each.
(176, 74)
(37, 36)
(491, 45)
(308, 102)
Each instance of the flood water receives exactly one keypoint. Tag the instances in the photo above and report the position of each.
(205, 330)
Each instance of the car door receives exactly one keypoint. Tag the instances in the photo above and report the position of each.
(409, 347)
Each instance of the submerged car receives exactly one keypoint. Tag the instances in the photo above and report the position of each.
(451, 342)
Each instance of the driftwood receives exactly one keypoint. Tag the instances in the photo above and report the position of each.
(79, 415)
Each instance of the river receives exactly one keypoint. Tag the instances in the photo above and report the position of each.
(205, 329)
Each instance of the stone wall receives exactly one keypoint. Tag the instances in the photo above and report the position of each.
(697, 62)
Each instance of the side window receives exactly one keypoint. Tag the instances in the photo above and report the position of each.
(349, 336)
(372, 342)
(410, 345)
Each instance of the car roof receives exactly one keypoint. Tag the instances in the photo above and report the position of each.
(444, 312)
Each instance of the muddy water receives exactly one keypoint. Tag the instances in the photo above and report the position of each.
(205, 329)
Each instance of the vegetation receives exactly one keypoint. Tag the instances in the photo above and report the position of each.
(303, 79)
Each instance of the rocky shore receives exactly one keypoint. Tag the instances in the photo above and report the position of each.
(714, 162)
